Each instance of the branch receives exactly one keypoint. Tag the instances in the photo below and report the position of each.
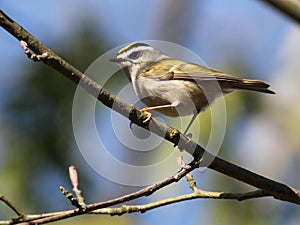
(197, 193)
(10, 205)
(74, 180)
(291, 8)
(101, 207)
(50, 217)
(201, 156)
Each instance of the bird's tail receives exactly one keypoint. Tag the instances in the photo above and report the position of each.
(252, 85)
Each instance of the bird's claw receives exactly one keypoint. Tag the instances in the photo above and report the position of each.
(149, 115)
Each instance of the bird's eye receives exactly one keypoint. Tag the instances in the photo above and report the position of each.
(134, 55)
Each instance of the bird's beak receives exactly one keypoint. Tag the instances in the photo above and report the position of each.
(116, 60)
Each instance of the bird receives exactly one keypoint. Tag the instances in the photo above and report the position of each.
(174, 87)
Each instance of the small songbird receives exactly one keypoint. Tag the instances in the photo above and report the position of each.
(174, 87)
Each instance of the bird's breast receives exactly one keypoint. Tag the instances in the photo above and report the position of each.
(186, 96)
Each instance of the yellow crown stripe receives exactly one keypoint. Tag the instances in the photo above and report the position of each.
(132, 45)
(125, 48)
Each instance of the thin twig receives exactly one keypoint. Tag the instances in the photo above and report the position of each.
(197, 193)
(51, 217)
(75, 182)
(70, 196)
(200, 194)
(10, 205)
(31, 55)
(103, 206)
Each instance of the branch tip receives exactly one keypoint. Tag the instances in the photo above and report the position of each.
(31, 55)
(73, 176)
(190, 179)
(75, 182)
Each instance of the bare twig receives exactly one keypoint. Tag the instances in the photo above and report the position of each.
(197, 193)
(74, 179)
(276, 189)
(102, 207)
(50, 217)
(10, 205)
(72, 199)
(31, 55)
(222, 195)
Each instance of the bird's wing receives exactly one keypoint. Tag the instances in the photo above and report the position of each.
(170, 69)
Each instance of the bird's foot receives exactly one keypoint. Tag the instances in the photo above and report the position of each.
(149, 115)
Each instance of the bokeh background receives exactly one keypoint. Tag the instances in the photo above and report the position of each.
(246, 38)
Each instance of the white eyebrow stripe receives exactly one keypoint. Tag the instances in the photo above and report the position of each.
(135, 49)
